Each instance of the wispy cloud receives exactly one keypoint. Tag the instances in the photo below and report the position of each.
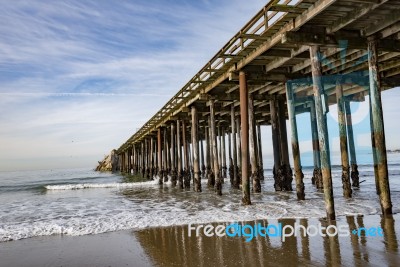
(77, 78)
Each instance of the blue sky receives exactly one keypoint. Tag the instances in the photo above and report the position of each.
(77, 78)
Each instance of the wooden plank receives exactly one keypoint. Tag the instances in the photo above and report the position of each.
(353, 16)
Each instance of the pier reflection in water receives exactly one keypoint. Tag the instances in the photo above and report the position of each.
(171, 246)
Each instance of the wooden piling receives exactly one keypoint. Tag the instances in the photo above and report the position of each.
(374, 156)
(165, 156)
(123, 166)
(127, 161)
(239, 149)
(123, 162)
(169, 151)
(143, 160)
(155, 158)
(253, 149)
(195, 144)
(136, 159)
(203, 163)
(219, 149)
(260, 154)
(285, 169)
(186, 171)
(172, 150)
(353, 160)
(147, 158)
(130, 161)
(223, 153)
(160, 162)
(147, 153)
(343, 140)
(151, 157)
(133, 159)
(133, 151)
(295, 142)
(213, 137)
(209, 171)
(278, 184)
(321, 109)
(317, 174)
(378, 129)
(230, 168)
(235, 178)
(244, 118)
(128, 155)
(120, 162)
(179, 154)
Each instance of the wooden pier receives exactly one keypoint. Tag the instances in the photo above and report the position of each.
(288, 59)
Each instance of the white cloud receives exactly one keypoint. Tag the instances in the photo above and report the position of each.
(78, 78)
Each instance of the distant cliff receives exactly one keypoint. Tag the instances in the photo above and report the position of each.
(109, 163)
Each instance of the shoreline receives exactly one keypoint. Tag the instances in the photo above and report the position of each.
(171, 246)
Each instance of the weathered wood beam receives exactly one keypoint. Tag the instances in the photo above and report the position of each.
(286, 8)
(305, 38)
(179, 154)
(322, 132)
(253, 148)
(366, 1)
(295, 142)
(244, 118)
(254, 36)
(317, 176)
(275, 141)
(280, 61)
(213, 137)
(165, 157)
(235, 178)
(353, 16)
(259, 151)
(173, 154)
(390, 18)
(160, 160)
(347, 192)
(378, 129)
(185, 156)
(300, 20)
(195, 144)
(353, 159)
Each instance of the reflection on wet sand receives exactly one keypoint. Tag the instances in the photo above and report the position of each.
(171, 246)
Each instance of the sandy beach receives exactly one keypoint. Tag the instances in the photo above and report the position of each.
(171, 246)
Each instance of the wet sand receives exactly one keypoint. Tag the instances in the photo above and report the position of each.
(171, 246)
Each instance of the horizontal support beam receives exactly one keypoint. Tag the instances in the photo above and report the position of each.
(285, 8)
(264, 77)
(390, 19)
(353, 16)
(235, 97)
(387, 45)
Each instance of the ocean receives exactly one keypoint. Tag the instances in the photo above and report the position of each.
(83, 202)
